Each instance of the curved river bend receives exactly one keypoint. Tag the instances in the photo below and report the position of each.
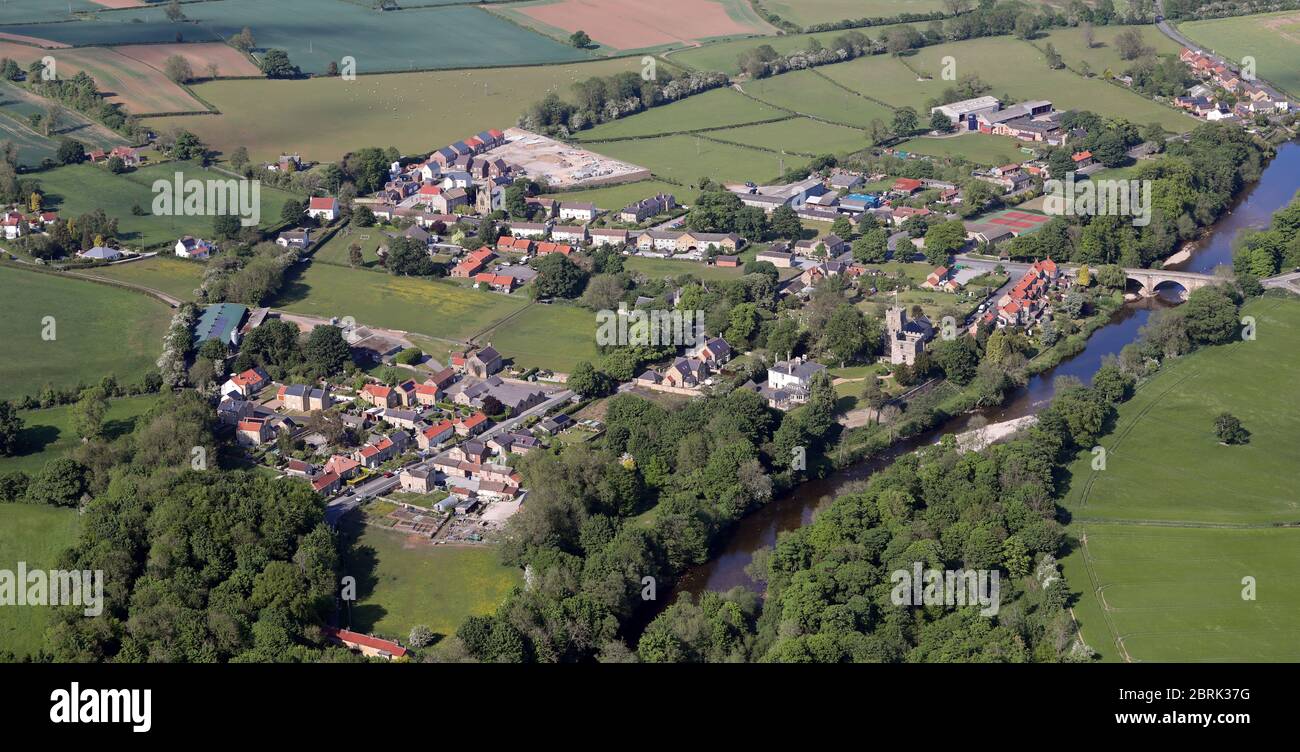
(1253, 209)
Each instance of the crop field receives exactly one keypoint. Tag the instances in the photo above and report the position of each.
(1176, 519)
(176, 277)
(80, 189)
(809, 93)
(137, 86)
(36, 534)
(404, 583)
(40, 11)
(635, 25)
(808, 12)
(1104, 54)
(719, 108)
(201, 56)
(616, 197)
(97, 330)
(686, 159)
(978, 148)
(1273, 39)
(799, 135)
(436, 308)
(48, 434)
(316, 32)
(415, 112)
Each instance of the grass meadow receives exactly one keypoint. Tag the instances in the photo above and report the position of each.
(98, 330)
(686, 159)
(1273, 39)
(436, 308)
(176, 277)
(48, 434)
(37, 535)
(807, 92)
(714, 109)
(809, 12)
(615, 197)
(1175, 520)
(404, 582)
(80, 189)
(978, 148)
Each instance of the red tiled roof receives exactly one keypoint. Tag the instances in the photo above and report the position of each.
(319, 202)
(356, 638)
(324, 481)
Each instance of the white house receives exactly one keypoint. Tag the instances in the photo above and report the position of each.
(583, 212)
(326, 208)
(191, 247)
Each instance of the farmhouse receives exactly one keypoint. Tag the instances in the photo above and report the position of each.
(371, 647)
(190, 247)
(326, 208)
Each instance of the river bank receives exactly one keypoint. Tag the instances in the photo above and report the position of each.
(797, 507)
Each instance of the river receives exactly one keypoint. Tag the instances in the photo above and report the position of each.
(797, 508)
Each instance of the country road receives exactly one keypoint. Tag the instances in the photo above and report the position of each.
(1174, 34)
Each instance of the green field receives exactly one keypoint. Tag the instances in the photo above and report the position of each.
(17, 105)
(1104, 54)
(437, 308)
(415, 112)
(402, 584)
(799, 135)
(335, 250)
(977, 148)
(1176, 520)
(809, 12)
(48, 434)
(890, 81)
(80, 189)
(1030, 78)
(714, 109)
(807, 92)
(656, 268)
(723, 56)
(1273, 39)
(547, 336)
(40, 11)
(686, 159)
(316, 32)
(615, 197)
(36, 535)
(176, 277)
(98, 330)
